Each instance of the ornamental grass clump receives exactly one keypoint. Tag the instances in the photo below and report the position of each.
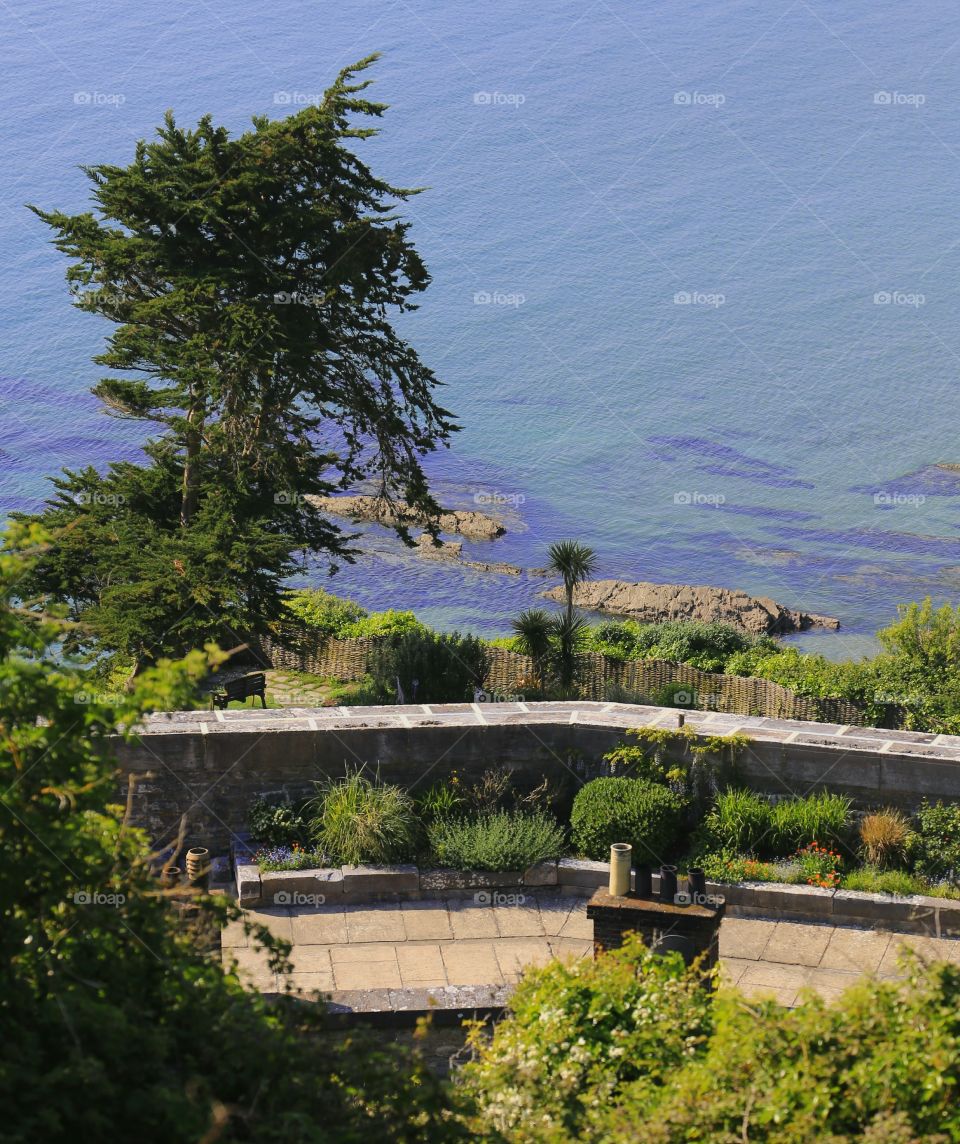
(798, 822)
(740, 822)
(498, 840)
(358, 821)
(884, 835)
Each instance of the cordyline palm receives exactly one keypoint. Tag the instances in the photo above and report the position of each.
(533, 629)
(574, 562)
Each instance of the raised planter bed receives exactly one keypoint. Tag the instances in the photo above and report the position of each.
(576, 877)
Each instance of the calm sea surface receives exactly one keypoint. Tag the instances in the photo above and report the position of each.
(695, 271)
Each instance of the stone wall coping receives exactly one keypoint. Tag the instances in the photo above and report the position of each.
(617, 716)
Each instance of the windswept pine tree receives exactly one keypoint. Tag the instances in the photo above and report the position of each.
(253, 282)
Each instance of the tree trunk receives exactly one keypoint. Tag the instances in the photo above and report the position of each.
(191, 473)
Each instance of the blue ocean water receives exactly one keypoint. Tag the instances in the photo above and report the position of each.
(694, 271)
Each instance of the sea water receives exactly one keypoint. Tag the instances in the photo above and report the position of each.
(694, 272)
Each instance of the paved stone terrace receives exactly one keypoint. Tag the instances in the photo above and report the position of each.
(614, 715)
(415, 954)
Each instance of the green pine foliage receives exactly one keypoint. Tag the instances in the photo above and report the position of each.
(252, 282)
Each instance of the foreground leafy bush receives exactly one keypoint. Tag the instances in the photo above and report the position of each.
(117, 1021)
(357, 820)
(501, 840)
(643, 813)
(578, 1035)
(879, 1065)
(429, 667)
(629, 1047)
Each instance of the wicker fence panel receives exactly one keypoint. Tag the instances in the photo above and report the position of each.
(599, 678)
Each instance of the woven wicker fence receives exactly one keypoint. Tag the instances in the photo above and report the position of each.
(599, 678)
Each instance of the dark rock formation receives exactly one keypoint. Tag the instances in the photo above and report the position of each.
(655, 603)
(375, 510)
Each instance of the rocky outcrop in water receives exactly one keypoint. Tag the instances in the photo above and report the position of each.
(375, 510)
(655, 603)
(452, 550)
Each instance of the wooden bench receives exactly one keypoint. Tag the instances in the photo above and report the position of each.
(240, 689)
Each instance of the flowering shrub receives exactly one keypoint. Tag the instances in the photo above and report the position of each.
(294, 857)
(819, 866)
(577, 1033)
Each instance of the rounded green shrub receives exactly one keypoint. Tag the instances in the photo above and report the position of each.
(645, 814)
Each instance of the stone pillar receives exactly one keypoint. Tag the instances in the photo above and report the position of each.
(690, 930)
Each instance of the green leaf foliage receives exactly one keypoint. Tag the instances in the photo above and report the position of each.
(117, 1018)
(429, 667)
(645, 814)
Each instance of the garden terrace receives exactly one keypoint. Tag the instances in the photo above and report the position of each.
(208, 766)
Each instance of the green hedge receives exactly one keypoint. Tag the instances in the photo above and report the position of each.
(645, 814)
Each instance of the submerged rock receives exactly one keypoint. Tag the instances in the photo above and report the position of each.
(375, 510)
(655, 603)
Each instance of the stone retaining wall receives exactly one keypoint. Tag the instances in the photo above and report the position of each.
(207, 767)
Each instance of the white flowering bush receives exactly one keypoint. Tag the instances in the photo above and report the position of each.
(577, 1033)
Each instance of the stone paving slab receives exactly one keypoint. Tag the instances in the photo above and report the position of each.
(384, 955)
